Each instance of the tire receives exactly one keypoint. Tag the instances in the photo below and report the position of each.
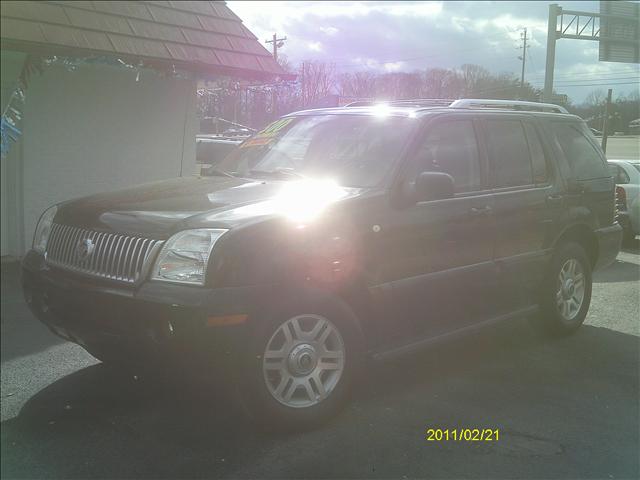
(298, 380)
(566, 291)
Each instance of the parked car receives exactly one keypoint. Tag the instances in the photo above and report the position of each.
(596, 132)
(626, 175)
(331, 237)
(211, 149)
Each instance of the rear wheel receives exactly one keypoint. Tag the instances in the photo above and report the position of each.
(302, 366)
(566, 292)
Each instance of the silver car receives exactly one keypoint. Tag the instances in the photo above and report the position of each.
(626, 174)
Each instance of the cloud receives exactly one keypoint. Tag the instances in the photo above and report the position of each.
(329, 30)
(405, 36)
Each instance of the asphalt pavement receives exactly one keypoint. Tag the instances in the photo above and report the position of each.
(623, 147)
(565, 408)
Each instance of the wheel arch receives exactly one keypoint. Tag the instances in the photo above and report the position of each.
(583, 235)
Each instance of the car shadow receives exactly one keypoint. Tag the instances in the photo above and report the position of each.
(96, 423)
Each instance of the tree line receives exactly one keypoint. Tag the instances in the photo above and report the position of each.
(319, 84)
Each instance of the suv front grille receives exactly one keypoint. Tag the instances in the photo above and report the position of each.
(113, 256)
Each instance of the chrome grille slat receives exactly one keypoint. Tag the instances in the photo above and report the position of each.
(123, 256)
(143, 247)
(64, 233)
(66, 244)
(73, 241)
(58, 244)
(115, 256)
(94, 258)
(129, 268)
(116, 250)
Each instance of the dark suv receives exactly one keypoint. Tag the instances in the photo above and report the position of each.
(330, 237)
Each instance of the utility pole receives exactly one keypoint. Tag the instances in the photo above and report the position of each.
(302, 84)
(277, 43)
(552, 36)
(605, 124)
(524, 59)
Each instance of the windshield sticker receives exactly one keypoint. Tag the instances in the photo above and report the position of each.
(265, 136)
(257, 142)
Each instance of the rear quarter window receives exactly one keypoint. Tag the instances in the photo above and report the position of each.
(583, 157)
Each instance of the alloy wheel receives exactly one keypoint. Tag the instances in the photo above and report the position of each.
(570, 289)
(303, 361)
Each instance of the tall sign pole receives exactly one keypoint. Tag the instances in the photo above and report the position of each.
(552, 36)
(616, 28)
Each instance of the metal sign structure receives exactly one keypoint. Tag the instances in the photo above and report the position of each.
(616, 28)
(619, 33)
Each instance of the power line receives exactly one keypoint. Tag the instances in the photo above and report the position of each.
(597, 80)
(601, 79)
(603, 74)
(595, 84)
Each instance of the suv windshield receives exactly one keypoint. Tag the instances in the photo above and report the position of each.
(354, 150)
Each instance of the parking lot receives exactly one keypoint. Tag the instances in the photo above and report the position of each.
(565, 408)
(623, 147)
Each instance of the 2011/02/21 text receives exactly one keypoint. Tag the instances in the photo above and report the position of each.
(462, 434)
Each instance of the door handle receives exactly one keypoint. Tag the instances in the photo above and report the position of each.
(481, 211)
(554, 199)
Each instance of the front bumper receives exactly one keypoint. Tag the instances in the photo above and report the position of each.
(155, 322)
(609, 241)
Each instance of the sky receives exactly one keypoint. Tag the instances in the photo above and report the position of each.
(407, 36)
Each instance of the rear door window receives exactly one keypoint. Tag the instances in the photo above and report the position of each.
(508, 153)
(584, 159)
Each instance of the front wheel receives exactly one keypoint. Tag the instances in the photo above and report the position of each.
(566, 292)
(302, 366)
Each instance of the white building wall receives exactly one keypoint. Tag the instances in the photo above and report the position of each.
(10, 167)
(97, 129)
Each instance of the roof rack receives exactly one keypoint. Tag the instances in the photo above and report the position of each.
(508, 105)
(416, 102)
(360, 103)
(422, 102)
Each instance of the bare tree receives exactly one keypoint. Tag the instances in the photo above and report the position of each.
(357, 85)
(475, 78)
(441, 83)
(318, 81)
(596, 98)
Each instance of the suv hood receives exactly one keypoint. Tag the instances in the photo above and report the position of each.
(159, 209)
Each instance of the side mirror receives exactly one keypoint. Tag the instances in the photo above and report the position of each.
(433, 186)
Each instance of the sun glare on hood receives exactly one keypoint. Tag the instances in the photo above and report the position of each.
(304, 200)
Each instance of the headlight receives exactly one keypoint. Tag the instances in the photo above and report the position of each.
(185, 255)
(41, 235)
